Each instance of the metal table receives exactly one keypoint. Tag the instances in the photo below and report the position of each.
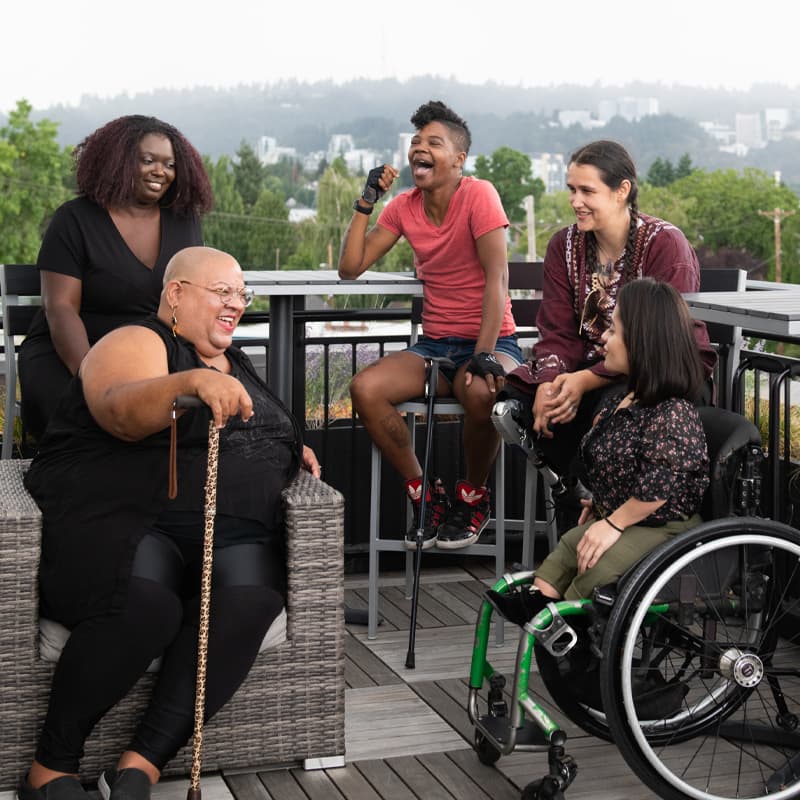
(773, 312)
(288, 288)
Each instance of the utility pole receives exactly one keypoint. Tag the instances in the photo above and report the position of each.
(777, 214)
(531, 220)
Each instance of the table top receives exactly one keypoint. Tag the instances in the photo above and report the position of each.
(775, 311)
(327, 281)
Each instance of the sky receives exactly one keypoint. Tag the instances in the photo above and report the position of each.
(55, 51)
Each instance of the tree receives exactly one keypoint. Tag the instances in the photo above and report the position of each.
(33, 174)
(725, 214)
(271, 238)
(249, 174)
(226, 226)
(510, 172)
(661, 172)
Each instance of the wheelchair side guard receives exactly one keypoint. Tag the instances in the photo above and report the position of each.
(552, 631)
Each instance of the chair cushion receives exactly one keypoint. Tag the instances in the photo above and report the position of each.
(53, 636)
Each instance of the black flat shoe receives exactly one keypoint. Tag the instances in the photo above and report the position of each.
(64, 788)
(518, 606)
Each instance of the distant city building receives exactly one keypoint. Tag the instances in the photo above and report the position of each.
(630, 108)
(362, 160)
(268, 151)
(400, 157)
(312, 161)
(551, 169)
(749, 131)
(578, 116)
(724, 134)
(776, 121)
(338, 145)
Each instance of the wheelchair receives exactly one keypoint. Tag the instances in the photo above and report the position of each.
(690, 663)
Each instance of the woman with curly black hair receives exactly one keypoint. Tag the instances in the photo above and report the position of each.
(142, 189)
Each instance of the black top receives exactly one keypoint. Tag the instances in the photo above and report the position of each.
(649, 453)
(99, 494)
(83, 242)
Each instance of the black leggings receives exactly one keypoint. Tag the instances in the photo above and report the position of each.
(106, 655)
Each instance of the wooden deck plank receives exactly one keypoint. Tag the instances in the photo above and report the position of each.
(281, 785)
(457, 782)
(317, 785)
(491, 780)
(465, 612)
(247, 786)
(443, 703)
(387, 721)
(424, 618)
(420, 780)
(364, 658)
(440, 653)
(352, 784)
(385, 780)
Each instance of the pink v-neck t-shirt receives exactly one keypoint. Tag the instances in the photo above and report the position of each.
(446, 256)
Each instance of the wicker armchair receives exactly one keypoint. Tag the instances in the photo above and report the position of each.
(289, 710)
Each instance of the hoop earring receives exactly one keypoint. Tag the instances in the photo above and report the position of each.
(174, 323)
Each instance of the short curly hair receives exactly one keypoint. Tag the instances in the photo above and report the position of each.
(437, 111)
(107, 161)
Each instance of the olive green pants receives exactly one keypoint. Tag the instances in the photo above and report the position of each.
(560, 568)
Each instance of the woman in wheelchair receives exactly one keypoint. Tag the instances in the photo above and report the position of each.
(645, 455)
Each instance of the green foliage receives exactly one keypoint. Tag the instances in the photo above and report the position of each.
(725, 213)
(249, 174)
(33, 175)
(662, 173)
(510, 172)
(270, 240)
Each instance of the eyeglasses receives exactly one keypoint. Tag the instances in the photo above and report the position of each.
(227, 293)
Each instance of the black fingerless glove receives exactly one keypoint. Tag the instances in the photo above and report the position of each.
(372, 189)
(483, 364)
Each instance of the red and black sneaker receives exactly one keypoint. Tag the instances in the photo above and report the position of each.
(467, 518)
(436, 506)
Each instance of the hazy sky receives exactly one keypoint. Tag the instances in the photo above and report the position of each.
(54, 51)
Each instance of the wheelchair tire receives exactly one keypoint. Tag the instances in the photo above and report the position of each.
(560, 677)
(700, 680)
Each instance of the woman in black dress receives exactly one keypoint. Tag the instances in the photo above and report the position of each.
(142, 188)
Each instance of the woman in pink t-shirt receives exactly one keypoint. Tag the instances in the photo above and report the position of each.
(456, 228)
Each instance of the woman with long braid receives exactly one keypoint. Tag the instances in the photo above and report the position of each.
(610, 244)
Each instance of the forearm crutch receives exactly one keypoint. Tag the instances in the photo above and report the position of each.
(431, 381)
(209, 514)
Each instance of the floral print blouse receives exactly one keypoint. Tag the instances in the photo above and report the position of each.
(648, 453)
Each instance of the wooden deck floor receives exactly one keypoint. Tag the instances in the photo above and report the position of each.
(407, 731)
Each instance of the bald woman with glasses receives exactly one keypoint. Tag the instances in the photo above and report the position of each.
(121, 558)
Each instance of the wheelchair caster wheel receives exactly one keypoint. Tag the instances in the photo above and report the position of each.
(544, 789)
(487, 753)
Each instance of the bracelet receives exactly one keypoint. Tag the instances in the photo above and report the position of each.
(615, 527)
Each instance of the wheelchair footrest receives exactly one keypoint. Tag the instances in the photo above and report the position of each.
(529, 735)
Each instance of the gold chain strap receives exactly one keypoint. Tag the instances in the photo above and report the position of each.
(205, 608)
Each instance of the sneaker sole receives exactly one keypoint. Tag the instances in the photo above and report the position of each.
(426, 545)
(457, 544)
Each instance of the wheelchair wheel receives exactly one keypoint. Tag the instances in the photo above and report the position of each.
(701, 673)
(573, 681)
